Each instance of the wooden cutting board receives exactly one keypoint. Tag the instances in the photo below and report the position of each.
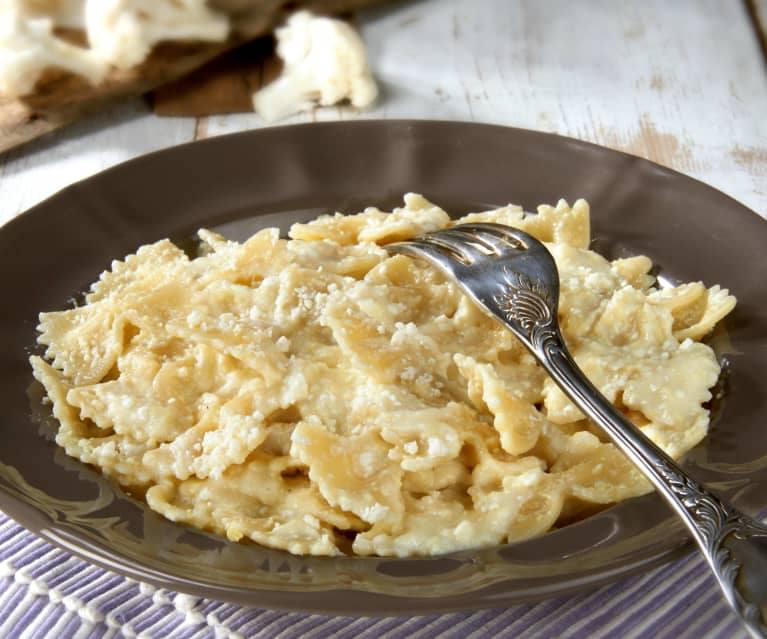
(758, 11)
(61, 98)
(224, 85)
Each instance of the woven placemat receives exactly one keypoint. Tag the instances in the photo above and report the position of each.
(47, 593)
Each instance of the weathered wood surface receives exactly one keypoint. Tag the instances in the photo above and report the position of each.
(225, 85)
(683, 83)
(62, 98)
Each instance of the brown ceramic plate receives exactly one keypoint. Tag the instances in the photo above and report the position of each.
(279, 175)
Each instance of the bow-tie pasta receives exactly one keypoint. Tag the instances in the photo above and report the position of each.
(317, 395)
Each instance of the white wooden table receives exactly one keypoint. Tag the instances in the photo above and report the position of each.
(683, 83)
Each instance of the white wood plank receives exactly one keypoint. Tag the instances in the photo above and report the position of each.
(31, 173)
(681, 83)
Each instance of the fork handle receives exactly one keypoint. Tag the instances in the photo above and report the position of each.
(734, 544)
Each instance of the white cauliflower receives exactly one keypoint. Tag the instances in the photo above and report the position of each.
(28, 46)
(123, 32)
(64, 13)
(325, 63)
(120, 34)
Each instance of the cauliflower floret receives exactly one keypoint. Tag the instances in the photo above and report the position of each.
(64, 13)
(324, 63)
(28, 46)
(120, 34)
(123, 32)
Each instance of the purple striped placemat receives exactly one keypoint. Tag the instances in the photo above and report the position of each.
(47, 593)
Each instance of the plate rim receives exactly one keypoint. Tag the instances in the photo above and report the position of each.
(27, 515)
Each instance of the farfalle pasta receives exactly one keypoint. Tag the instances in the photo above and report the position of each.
(317, 395)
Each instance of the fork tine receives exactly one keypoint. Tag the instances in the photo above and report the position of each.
(464, 239)
(442, 254)
(452, 249)
(508, 236)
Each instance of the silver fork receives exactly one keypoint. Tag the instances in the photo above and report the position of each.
(513, 277)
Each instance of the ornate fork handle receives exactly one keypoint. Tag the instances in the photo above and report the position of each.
(513, 276)
(734, 544)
